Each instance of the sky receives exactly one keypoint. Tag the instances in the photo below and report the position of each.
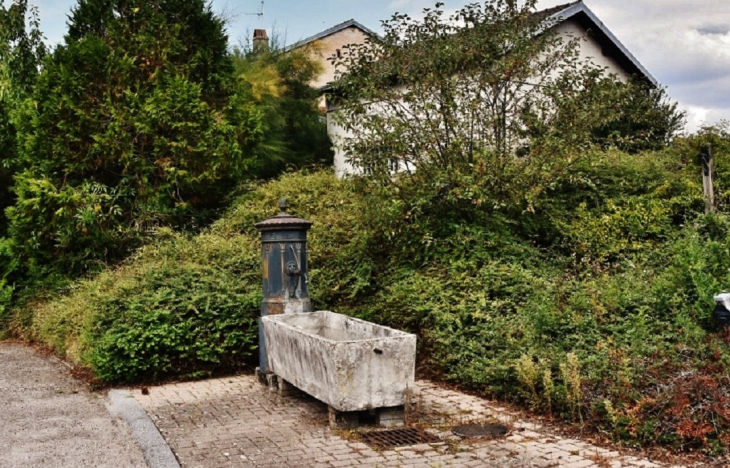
(685, 44)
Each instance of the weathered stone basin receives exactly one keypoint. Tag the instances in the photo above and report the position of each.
(350, 364)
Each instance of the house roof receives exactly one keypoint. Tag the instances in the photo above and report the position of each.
(351, 23)
(576, 11)
(579, 12)
(548, 12)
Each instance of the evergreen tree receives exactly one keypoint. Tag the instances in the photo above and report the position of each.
(134, 123)
(21, 54)
(279, 81)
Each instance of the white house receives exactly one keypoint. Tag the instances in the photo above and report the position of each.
(330, 42)
(575, 20)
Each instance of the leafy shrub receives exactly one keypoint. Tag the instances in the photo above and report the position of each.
(165, 314)
(179, 319)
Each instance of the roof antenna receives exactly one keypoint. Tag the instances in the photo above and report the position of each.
(259, 13)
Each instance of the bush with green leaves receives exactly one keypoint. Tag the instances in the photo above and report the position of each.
(182, 308)
(180, 319)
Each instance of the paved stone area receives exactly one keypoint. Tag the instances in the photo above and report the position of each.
(48, 419)
(236, 422)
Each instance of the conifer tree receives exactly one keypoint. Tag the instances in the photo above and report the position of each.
(21, 54)
(278, 81)
(134, 124)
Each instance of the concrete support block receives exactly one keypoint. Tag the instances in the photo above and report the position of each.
(268, 379)
(391, 417)
(260, 376)
(272, 381)
(287, 389)
(343, 419)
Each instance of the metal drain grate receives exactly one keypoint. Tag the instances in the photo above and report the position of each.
(402, 437)
(480, 430)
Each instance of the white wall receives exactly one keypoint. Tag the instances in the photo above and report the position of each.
(337, 133)
(591, 49)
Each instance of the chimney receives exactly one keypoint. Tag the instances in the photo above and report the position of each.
(260, 41)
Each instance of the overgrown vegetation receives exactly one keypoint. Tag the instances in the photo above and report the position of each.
(597, 307)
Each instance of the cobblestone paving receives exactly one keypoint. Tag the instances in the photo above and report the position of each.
(235, 421)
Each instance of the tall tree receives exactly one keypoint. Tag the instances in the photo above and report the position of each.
(278, 81)
(21, 55)
(134, 121)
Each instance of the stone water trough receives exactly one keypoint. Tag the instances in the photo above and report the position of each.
(350, 364)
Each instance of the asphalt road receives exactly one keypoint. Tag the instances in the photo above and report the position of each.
(49, 419)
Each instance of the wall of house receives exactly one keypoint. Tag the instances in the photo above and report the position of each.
(591, 49)
(323, 49)
(326, 47)
(337, 133)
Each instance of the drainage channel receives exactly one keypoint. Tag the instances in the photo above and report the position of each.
(480, 430)
(406, 436)
(401, 437)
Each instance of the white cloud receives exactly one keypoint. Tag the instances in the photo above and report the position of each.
(399, 4)
(698, 116)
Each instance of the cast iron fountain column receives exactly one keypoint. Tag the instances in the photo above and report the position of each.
(284, 258)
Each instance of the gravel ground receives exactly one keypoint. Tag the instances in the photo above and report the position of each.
(49, 419)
